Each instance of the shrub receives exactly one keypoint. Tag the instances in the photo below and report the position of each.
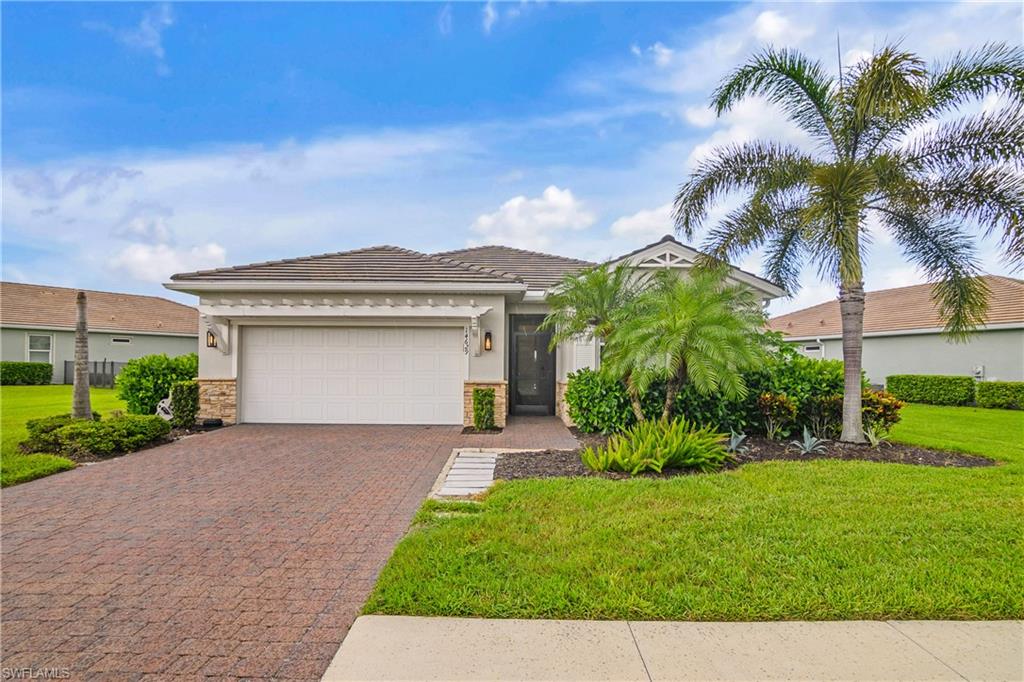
(657, 445)
(779, 411)
(596, 403)
(1008, 395)
(880, 410)
(483, 408)
(145, 381)
(933, 389)
(25, 373)
(184, 404)
(42, 432)
(120, 434)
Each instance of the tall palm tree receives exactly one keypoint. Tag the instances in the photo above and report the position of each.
(80, 407)
(693, 329)
(591, 304)
(888, 148)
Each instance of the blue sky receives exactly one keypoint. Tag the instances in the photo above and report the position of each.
(144, 139)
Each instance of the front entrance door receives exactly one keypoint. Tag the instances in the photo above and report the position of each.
(531, 367)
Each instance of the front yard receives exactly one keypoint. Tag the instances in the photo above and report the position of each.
(768, 541)
(18, 404)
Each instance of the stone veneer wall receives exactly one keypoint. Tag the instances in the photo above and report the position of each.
(218, 399)
(500, 401)
(561, 408)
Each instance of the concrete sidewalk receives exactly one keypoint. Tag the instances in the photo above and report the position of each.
(409, 648)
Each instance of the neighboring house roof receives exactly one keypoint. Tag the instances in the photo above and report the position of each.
(538, 270)
(33, 305)
(372, 264)
(902, 309)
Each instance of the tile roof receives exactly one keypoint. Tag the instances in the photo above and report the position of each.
(43, 306)
(538, 270)
(371, 264)
(901, 309)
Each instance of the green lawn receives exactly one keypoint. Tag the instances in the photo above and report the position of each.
(18, 404)
(777, 540)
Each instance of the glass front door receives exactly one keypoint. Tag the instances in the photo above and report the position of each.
(531, 367)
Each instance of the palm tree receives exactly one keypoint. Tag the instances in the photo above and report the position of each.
(697, 329)
(80, 407)
(887, 149)
(590, 304)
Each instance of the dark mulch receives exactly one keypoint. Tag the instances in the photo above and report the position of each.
(553, 463)
(472, 430)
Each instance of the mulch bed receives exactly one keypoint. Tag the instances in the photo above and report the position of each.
(472, 430)
(553, 463)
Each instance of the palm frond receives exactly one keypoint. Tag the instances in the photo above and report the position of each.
(790, 79)
(996, 137)
(991, 69)
(946, 253)
(766, 166)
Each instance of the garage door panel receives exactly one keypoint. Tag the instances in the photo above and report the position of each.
(389, 375)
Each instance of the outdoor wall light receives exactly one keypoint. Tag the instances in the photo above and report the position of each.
(487, 340)
(211, 340)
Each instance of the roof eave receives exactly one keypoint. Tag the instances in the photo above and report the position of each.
(195, 286)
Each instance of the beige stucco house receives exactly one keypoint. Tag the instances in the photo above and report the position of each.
(37, 324)
(385, 335)
(903, 334)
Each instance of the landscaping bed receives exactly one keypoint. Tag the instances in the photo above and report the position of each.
(554, 463)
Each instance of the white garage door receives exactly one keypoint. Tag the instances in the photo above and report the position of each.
(352, 375)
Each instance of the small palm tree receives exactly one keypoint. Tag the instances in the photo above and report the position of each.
(591, 302)
(872, 160)
(692, 329)
(80, 407)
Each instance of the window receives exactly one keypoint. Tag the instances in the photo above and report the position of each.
(120, 339)
(40, 348)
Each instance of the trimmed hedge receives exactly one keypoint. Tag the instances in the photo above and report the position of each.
(145, 381)
(42, 432)
(483, 409)
(932, 389)
(184, 404)
(1007, 395)
(25, 373)
(125, 433)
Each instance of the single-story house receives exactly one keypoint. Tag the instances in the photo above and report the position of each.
(385, 335)
(902, 334)
(37, 324)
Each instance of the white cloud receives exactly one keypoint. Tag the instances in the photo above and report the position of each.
(662, 55)
(645, 224)
(157, 262)
(533, 223)
(752, 119)
(772, 27)
(700, 116)
(489, 16)
(444, 20)
(147, 35)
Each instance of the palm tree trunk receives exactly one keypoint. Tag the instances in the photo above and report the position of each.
(672, 387)
(634, 400)
(80, 407)
(851, 309)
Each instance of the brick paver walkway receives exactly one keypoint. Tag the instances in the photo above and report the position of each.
(246, 552)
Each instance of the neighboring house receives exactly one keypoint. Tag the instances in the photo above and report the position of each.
(902, 334)
(384, 335)
(37, 324)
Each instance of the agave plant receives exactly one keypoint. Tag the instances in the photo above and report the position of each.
(735, 445)
(810, 445)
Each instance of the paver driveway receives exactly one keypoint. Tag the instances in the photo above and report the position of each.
(246, 552)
